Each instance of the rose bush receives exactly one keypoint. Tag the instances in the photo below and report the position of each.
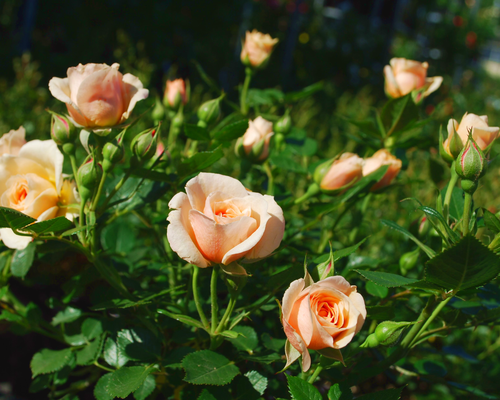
(218, 221)
(97, 95)
(257, 48)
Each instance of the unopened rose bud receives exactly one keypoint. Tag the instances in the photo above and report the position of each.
(408, 260)
(210, 111)
(144, 144)
(284, 124)
(175, 94)
(89, 175)
(380, 158)
(483, 134)
(62, 129)
(254, 144)
(112, 154)
(424, 226)
(256, 49)
(470, 162)
(386, 333)
(158, 112)
(337, 175)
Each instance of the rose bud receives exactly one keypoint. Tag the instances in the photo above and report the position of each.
(218, 221)
(339, 174)
(144, 144)
(11, 142)
(210, 111)
(470, 164)
(284, 124)
(322, 316)
(483, 134)
(62, 130)
(112, 154)
(386, 333)
(254, 144)
(175, 94)
(380, 158)
(404, 76)
(89, 175)
(98, 96)
(257, 48)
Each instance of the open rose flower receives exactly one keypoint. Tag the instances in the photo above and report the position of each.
(257, 48)
(380, 158)
(218, 221)
(175, 93)
(11, 142)
(98, 96)
(32, 183)
(482, 133)
(403, 76)
(255, 142)
(342, 172)
(321, 316)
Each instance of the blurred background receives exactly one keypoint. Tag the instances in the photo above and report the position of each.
(345, 44)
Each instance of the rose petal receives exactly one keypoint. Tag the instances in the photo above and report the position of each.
(13, 241)
(391, 86)
(133, 91)
(432, 84)
(15, 165)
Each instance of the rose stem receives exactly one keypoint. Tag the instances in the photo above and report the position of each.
(244, 90)
(213, 298)
(466, 217)
(449, 192)
(196, 295)
(270, 178)
(315, 374)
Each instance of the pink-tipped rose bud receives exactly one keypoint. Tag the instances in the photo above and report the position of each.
(175, 94)
(257, 48)
(254, 144)
(11, 142)
(144, 144)
(340, 174)
(380, 158)
(62, 130)
(482, 133)
(404, 76)
(98, 96)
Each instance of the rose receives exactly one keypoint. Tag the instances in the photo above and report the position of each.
(218, 221)
(380, 158)
(257, 48)
(32, 183)
(175, 93)
(11, 142)
(97, 95)
(482, 133)
(255, 141)
(343, 172)
(321, 316)
(403, 76)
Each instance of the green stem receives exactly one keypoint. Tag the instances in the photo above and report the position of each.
(494, 242)
(422, 318)
(115, 190)
(244, 91)
(213, 298)
(196, 295)
(97, 196)
(315, 374)
(434, 314)
(311, 191)
(270, 178)
(229, 310)
(449, 192)
(466, 216)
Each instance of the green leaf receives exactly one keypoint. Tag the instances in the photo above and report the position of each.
(47, 361)
(291, 97)
(386, 279)
(286, 161)
(182, 318)
(258, 381)
(22, 260)
(40, 382)
(138, 344)
(445, 229)
(456, 209)
(51, 225)
(264, 97)
(146, 388)
(100, 392)
(340, 391)
(13, 219)
(427, 250)
(126, 380)
(200, 161)
(302, 390)
(272, 343)
(380, 313)
(246, 340)
(89, 353)
(398, 114)
(364, 184)
(69, 314)
(231, 131)
(339, 254)
(196, 132)
(491, 221)
(430, 367)
(466, 265)
(208, 368)
(376, 290)
(174, 358)
(390, 394)
(91, 328)
(113, 355)
(266, 357)
(206, 395)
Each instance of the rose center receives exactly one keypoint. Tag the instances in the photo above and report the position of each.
(227, 212)
(18, 193)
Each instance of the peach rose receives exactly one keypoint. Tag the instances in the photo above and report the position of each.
(380, 158)
(404, 76)
(257, 48)
(11, 142)
(218, 221)
(344, 171)
(32, 183)
(321, 316)
(482, 133)
(255, 141)
(98, 96)
(175, 93)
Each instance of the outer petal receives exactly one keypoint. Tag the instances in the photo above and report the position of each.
(15, 165)
(335, 282)
(432, 84)
(59, 88)
(391, 86)
(46, 154)
(290, 296)
(484, 136)
(13, 241)
(133, 91)
(180, 233)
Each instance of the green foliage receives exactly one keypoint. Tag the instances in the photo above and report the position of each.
(22, 260)
(126, 380)
(47, 361)
(302, 390)
(208, 368)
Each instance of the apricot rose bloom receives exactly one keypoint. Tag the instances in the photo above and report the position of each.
(218, 221)
(403, 76)
(256, 139)
(98, 96)
(380, 158)
(175, 93)
(322, 316)
(11, 142)
(482, 133)
(32, 183)
(344, 171)
(257, 48)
